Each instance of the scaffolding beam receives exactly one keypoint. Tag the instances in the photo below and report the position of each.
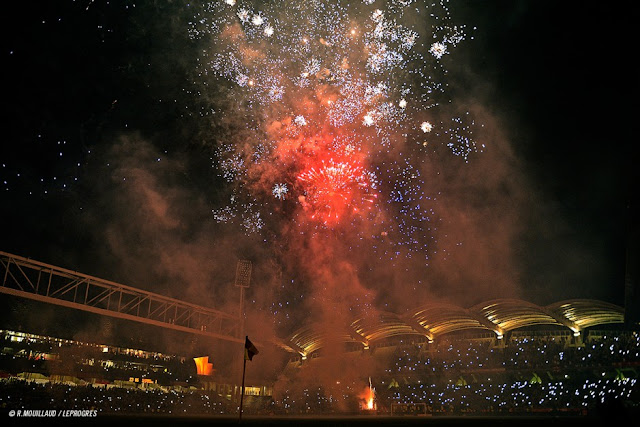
(23, 277)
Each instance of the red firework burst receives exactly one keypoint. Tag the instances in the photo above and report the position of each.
(334, 189)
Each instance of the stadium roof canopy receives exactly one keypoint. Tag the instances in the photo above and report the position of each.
(435, 320)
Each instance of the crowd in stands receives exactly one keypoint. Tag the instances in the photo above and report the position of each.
(53, 356)
(523, 353)
(522, 374)
(519, 396)
(562, 397)
(18, 394)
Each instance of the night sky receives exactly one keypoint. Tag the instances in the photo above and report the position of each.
(84, 80)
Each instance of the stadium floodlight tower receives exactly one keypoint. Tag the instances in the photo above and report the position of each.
(243, 279)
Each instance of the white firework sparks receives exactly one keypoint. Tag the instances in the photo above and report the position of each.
(438, 49)
(426, 127)
(257, 20)
(280, 191)
(300, 121)
(333, 76)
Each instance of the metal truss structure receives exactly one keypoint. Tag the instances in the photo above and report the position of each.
(37, 281)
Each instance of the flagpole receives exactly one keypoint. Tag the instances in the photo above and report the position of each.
(250, 350)
(244, 368)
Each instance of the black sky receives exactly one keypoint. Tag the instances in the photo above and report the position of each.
(563, 80)
(556, 75)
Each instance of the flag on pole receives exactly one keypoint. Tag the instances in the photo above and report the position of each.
(250, 350)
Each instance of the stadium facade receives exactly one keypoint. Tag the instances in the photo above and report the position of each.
(494, 318)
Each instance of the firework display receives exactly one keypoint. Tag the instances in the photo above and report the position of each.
(339, 102)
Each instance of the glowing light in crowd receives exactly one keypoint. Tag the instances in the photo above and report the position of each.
(371, 396)
(203, 366)
(368, 397)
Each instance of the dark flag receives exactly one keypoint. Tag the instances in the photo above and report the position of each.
(250, 350)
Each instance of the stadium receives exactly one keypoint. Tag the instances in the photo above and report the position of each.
(573, 358)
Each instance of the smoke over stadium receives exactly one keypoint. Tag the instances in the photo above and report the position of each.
(341, 153)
